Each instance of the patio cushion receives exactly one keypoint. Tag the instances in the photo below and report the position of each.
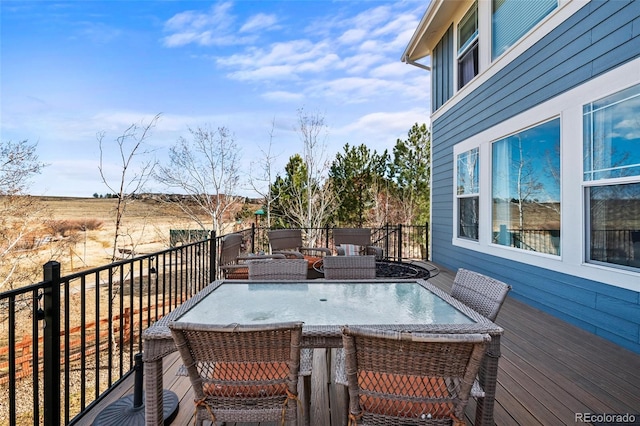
(248, 372)
(422, 388)
(351, 249)
(311, 260)
(238, 274)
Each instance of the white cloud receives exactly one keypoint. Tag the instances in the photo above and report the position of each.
(259, 22)
(394, 70)
(203, 28)
(380, 130)
(284, 96)
(352, 36)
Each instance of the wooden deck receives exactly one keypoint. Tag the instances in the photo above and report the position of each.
(549, 371)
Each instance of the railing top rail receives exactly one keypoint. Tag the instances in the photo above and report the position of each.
(22, 290)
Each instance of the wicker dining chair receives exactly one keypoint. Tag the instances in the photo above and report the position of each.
(410, 378)
(233, 263)
(289, 243)
(278, 269)
(481, 293)
(242, 373)
(349, 267)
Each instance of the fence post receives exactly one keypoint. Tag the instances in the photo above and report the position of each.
(213, 273)
(51, 359)
(400, 243)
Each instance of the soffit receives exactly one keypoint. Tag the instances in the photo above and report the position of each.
(432, 26)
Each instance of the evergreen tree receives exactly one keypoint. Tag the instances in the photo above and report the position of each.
(411, 174)
(355, 174)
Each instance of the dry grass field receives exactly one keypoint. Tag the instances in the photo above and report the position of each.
(79, 232)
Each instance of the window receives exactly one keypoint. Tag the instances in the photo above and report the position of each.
(511, 19)
(468, 46)
(612, 178)
(467, 194)
(526, 189)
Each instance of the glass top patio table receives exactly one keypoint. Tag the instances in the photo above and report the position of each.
(324, 306)
(324, 303)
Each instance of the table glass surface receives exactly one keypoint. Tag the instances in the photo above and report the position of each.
(324, 303)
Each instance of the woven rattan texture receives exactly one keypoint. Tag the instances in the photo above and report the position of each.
(349, 267)
(481, 293)
(241, 373)
(403, 378)
(278, 269)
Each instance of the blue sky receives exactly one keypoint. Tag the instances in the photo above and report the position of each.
(72, 69)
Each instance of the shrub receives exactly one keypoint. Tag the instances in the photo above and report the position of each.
(65, 227)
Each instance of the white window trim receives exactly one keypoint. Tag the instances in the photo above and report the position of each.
(488, 68)
(568, 106)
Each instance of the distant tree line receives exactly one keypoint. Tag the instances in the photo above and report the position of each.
(359, 187)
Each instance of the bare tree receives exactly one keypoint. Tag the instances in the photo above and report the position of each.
(265, 175)
(206, 168)
(306, 198)
(20, 214)
(135, 169)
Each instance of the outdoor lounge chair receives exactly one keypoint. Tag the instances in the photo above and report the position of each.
(278, 269)
(481, 293)
(410, 378)
(242, 373)
(355, 241)
(232, 263)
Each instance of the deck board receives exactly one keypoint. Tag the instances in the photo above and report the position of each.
(549, 370)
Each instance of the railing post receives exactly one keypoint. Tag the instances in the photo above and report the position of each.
(253, 238)
(426, 241)
(213, 246)
(386, 241)
(51, 357)
(400, 243)
(326, 236)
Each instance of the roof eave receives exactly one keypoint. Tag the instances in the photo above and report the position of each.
(434, 22)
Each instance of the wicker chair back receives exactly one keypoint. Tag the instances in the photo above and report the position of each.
(410, 378)
(481, 293)
(241, 373)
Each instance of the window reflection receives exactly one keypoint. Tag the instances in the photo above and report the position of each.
(614, 217)
(526, 189)
(612, 154)
(468, 194)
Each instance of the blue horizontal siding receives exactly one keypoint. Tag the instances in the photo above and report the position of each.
(599, 37)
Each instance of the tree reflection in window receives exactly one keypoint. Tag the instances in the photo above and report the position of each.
(526, 189)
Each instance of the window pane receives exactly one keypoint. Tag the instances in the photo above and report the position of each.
(526, 189)
(468, 172)
(468, 28)
(468, 212)
(511, 19)
(467, 184)
(612, 136)
(614, 222)
(468, 66)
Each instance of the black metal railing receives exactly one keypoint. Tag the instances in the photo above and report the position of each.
(66, 341)
(399, 242)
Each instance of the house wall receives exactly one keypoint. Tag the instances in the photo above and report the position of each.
(601, 36)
